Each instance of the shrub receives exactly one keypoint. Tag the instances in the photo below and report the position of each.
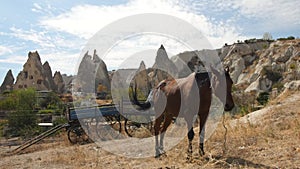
(293, 66)
(263, 98)
(278, 85)
(244, 103)
(59, 120)
(288, 38)
(3, 123)
(21, 120)
(265, 46)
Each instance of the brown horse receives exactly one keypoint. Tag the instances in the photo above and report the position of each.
(186, 97)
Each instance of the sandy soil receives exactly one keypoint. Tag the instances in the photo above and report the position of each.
(268, 138)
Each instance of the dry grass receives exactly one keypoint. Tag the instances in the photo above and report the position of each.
(271, 144)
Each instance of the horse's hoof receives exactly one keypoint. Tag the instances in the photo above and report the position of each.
(201, 153)
(164, 154)
(160, 155)
(189, 159)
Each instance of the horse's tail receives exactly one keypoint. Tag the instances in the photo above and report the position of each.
(141, 106)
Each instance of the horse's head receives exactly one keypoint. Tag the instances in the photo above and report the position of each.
(218, 87)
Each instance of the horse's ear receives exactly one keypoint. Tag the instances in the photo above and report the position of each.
(215, 71)
(227, 69)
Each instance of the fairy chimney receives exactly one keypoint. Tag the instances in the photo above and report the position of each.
(8, 82)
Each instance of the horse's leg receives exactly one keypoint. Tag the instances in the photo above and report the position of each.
(166, 124)
(157, 124)
(201, 144)
(203, 118)
(191, 135)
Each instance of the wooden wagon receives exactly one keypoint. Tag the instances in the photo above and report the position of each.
(102, 122)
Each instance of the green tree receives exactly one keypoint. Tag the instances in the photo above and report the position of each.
(22, 117)
(50, 101)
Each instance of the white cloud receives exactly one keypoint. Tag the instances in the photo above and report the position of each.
(36, 8)
(85, 20)
(62, 61)
(38, 37)
(269, 9)
(273, 15)
(15, 59)
(135, 47)
(5, 50)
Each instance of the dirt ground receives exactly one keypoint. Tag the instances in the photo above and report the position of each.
(266, 139)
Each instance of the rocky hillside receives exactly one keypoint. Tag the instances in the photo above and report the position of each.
(263, 67)
(256, 65)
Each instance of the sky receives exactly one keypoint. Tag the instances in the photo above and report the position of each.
(60, 29)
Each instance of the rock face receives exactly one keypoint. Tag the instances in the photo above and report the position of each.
(163, 66)
(293, 85)
(255, 65)
(68, 82)
(261, 66)
(59, 82)
(36, 75)
(48, 76)
(102, 76)
(8, 82)
(186, 61)
(239, 56)
(32, 74)
(92, 72)
(141, 79)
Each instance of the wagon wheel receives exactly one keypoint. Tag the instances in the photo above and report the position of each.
(130, 127)
(108, 127)
(76, 134)
(111, 120)
(149, 126)
(136, 129)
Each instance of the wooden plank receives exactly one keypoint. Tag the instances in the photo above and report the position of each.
(93, 112)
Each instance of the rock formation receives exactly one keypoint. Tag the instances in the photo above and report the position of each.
(59, 82)
(68, 82)
(36, 75)
(102, 76)
(32, 74)
(141, 80)
(48, 76)
(8, 82)
(163, 66)
(92, 72)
